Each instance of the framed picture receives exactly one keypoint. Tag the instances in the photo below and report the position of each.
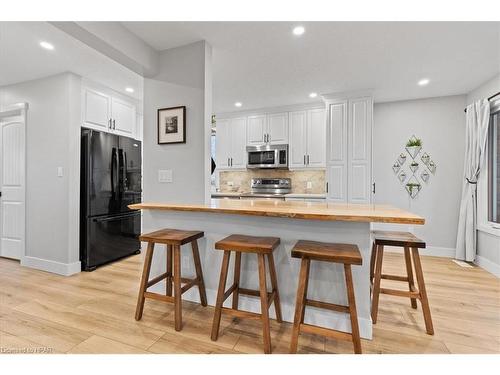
(172, 125)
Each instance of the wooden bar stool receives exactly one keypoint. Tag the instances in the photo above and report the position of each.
(409, 242)
(173, 238)
(263, 247)
(325, 252)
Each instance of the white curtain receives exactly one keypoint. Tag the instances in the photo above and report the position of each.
(477, 118)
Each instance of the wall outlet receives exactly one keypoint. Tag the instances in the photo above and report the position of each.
(309, 185)
(230, 183)
(165, 175)
(60, 171)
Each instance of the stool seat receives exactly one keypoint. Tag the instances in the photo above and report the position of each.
(248, 244)
(398, 239)
(171, 236)
(332, 252)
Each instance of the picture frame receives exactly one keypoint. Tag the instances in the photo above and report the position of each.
(171, 123)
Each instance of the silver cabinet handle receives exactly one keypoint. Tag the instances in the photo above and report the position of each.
(307, 159)
(228, 162)
(109, 124)
(231, 161)
(304, 160)
(114, 126)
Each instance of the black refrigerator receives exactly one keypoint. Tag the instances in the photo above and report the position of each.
(111, 179)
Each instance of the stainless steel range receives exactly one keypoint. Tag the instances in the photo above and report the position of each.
(269, 188)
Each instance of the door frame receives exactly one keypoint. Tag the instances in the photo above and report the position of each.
(19, 111)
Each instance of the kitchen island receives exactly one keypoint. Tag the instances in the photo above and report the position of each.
(291, 221)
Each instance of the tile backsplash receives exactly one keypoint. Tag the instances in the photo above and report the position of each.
(241, 179)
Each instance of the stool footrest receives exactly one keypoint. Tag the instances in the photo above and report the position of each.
(241, 313)
(327, 306)
(249, 292)
(331, 333)
(230, 291)
(189, 284)
(394, 277)
(157, 279)
(400, 293)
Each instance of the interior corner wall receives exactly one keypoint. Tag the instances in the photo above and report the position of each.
(440, 123)
(180, 82)
(52, 122)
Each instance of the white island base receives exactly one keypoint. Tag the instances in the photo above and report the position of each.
(327, 280)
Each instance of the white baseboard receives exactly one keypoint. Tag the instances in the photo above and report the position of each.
(320, 317)
(488, 265)
(435, 251)
(59, 268)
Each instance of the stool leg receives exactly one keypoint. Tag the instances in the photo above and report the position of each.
(266, 331)
(274, 283)
(236, 280)
(306, 288)
(372, 263)
(220, 295)
(144, 280)
(409, 273)
(352, 309)
(199, 273)
(423, 294)
(299, 304)
(169, 270)
(177, 288)
(376, 283)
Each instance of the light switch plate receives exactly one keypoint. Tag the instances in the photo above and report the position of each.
(309, 185)
(165, 175)
(60, 171)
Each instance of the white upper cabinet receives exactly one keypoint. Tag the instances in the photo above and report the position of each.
(316, 133)
(256, 130)
(123, 117)
(230, 145)
(307, 139)
(96, 110)
(104, 111)
(277, 128)
(349, 150)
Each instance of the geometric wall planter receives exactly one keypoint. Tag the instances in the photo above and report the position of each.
(419, 167)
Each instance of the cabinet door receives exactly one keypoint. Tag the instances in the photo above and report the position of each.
(297, 145)
(139, 125)
(336, 153)
(123, 116)
(222, 144)
(360, 150)
(96, 110)
(238, 129)
(277, 128)
(316, 135)
(256, 128)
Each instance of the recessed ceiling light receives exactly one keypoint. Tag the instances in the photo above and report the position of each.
(238, 104)
(298, 30)
(47, 45)
(423, 82)
(129, 89)
(313, 95)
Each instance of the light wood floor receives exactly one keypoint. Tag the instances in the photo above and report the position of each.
(94, 313)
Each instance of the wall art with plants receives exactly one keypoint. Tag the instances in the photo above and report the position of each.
(414, 167)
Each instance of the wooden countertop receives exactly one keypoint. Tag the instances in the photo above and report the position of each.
(295, 210)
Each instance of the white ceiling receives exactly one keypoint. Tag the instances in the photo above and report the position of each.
(262, 64)
(22, 59)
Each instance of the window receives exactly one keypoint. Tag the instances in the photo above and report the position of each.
(494, 164)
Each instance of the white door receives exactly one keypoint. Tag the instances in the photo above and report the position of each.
(316, 135)
(360, 149)
(12, 186)
(256, 130)
(96, 110)
(123, 117)
(336, 153)
(297, 146)
(277, 128)
(222, 144)
(238, 129)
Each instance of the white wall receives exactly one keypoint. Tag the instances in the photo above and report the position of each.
(488, 239)
(52, 202)
(181, 81)
(440, 123)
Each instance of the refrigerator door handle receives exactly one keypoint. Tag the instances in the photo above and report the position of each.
(114, 161)
(111, 218)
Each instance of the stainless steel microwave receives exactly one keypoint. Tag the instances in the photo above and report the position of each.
(267, 156)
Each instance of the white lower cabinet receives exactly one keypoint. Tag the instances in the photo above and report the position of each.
(349, 150)
(230, 144)
(307, 139)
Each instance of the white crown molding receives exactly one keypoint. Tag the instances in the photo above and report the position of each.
(270, 110)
